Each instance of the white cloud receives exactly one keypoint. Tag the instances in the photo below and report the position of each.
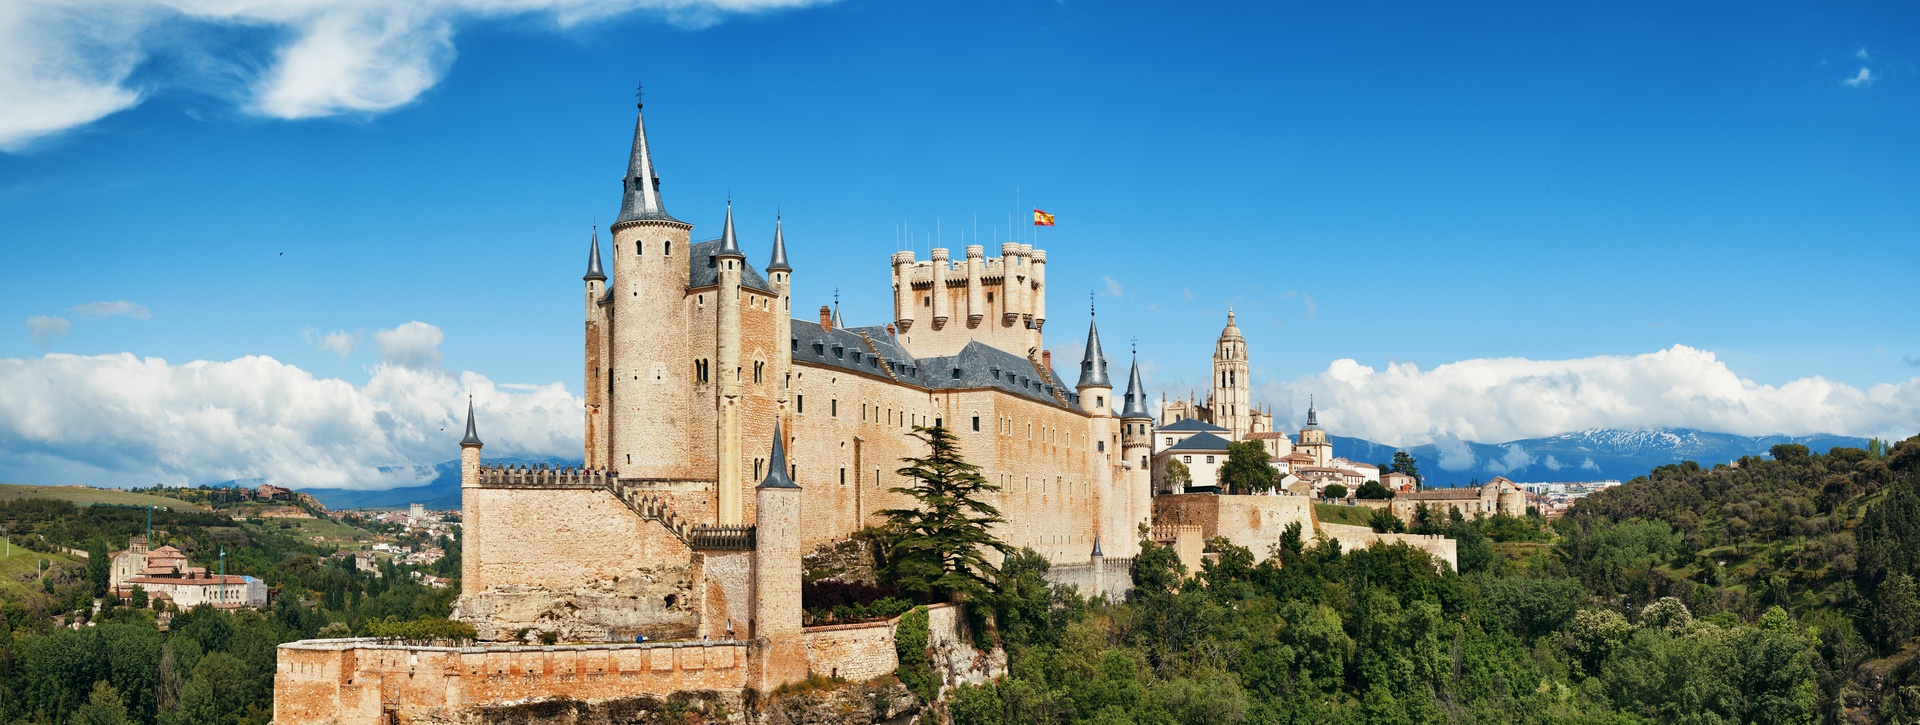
(412, 345)
(1514, 459)
(1861, 53)
(67, 63)
(1552, 464)
(122, 420)
(1455, 454)
(117, 308)
(1505, 399)
(45, 328)
(339, 342)
(1113, 288)
(1860, 80)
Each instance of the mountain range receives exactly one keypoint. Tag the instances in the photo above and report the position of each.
(1595, 454)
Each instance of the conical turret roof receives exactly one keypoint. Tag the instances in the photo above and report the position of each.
(729, 244)
(473, 436)
(1093, 365)
(779, 263)
(641, 198)
(777, 463)
(1136, 406)
(593, 259)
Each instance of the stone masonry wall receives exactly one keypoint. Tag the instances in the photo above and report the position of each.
(574, 561)
(1439, 547)
(1254, 522)
(856, 652)
(342, 681)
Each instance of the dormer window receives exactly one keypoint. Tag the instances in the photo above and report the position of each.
(819, 349)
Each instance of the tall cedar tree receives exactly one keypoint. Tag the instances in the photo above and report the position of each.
(939, 548)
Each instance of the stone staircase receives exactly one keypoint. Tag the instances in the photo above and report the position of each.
(647, 504)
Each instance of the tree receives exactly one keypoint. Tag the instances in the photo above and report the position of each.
(939, 548)
(1247, 469)
(99, 566)
(1373, 490)
(1404, 462)
(104, 707)
(1177, 473)
(1335, 490)
(1383, 521)
(138, 599)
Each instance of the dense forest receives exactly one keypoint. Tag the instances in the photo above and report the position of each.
(1766, 591)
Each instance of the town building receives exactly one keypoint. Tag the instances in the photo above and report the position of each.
(1495, 497)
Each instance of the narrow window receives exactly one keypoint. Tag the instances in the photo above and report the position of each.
(989, 298)
(843, 476)
(976, 424)
(799, 403)
(833, 407)
(667, 249)
(639, 249)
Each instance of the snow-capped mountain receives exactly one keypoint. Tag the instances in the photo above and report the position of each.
(1588, 455)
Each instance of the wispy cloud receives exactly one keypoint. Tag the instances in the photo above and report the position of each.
(1860, 80)
(116, 308)
(412, 345)
(1861, 53)
(1113, 287)
(338, 342)
(47, 328)
(68, 63)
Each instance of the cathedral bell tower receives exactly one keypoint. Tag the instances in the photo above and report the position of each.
(1231, 400)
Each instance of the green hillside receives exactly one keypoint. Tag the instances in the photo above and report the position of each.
(82, 496)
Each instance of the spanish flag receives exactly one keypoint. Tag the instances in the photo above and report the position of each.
(1042, 219)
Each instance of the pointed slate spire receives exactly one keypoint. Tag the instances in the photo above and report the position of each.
(779, 263)
(593, 259)
(1313, 417)
(777, 463)
(641, 196)
(473, 436)
(729, 244)
(1096, 548)
(1093, 366)
(1136, 395)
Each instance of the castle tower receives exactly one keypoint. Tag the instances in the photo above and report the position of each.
(647, 396)
(976, 299)
(939, 295)
(470, 505)
(903, 291)
(1096, 396)
(780, 275)
(1135, 479)
(777, 654)
(1231, 399)
(595, 373)
(731, 263)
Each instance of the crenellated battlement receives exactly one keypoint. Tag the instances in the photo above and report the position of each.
(518, 475)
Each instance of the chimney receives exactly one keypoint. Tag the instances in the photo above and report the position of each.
(890, 332)
(1046, 360)
(826, 317)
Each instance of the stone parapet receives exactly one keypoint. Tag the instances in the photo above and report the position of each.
(371, 680)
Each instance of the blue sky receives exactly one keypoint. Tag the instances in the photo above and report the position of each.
(1615, 202)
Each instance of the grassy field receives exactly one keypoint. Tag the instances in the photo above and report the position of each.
(329, 530)
(19, 571)
(85, 496)
(1337, 514)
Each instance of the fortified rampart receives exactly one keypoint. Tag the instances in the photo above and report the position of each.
(1257, 523)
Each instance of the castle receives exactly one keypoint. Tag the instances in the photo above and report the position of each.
(726, 439)
(694, 363)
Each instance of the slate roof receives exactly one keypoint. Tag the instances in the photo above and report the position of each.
(975, 366)
(1200, 442)
(704, 271)
(1187, 424)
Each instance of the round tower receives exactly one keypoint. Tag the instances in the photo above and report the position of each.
(647, 390)
(595, 373)
(976, 299)
(903, 291)
(939, 295)
(780, 276)
(731, 265)
(1133, 483)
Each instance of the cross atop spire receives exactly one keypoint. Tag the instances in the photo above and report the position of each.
(837, 324)
(639, 93)
(640, 189)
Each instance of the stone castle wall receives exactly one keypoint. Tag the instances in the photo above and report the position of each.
(1351, 537)
(337, 681)
(572, 560)
(1254, 522)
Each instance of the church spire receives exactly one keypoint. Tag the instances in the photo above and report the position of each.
(473, 436)
(641, 187)
(729, 244)
(593, 259)
(1093, 367)
(779, 263)
(1313, 417)
(1136, 406)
